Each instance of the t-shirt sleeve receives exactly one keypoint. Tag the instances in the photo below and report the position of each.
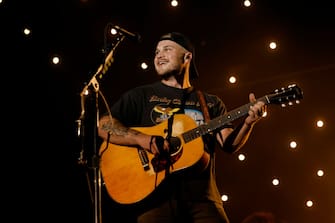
(218, 108)
(127, 108)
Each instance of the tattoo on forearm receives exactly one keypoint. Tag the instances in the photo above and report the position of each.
(107, 126)
(116, 128)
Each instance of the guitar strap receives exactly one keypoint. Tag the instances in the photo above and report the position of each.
(203, 105)
(204, 161)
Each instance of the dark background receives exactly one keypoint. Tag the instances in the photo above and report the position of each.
(41, 101)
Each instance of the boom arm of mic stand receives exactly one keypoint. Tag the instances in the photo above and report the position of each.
(103, 68)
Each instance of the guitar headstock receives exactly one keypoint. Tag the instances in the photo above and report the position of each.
(286, 96)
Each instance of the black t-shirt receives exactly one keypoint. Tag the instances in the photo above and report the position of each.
(151, 104)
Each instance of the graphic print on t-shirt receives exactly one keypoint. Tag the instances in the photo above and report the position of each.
(196, 115)
(163, 112)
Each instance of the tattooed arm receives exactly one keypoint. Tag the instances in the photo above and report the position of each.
(113, 130)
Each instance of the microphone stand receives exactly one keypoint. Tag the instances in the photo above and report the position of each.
(88, 129)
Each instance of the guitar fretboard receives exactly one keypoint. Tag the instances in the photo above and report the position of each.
(220, 121)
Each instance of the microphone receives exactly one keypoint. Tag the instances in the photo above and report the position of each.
(131, 35)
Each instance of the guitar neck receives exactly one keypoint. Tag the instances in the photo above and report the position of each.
(220, 121)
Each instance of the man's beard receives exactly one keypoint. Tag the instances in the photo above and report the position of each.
(167, 76)
(179, 75)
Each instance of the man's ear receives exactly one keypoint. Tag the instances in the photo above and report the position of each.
(187, 56)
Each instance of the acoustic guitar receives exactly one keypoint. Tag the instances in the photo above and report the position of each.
(131, 174)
